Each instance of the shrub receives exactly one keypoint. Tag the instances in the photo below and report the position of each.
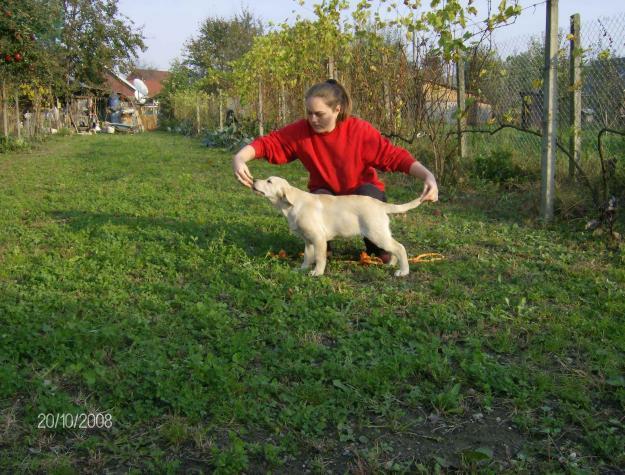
(497, 166)
(230, 138)
(9, 144)
(184, 127)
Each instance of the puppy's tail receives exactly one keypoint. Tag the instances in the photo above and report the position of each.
(393, 209)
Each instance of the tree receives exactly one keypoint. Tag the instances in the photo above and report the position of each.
(480, 62)
(180, 78)
(219, 43)
(95, 38)
(27, 46)
(65, 43)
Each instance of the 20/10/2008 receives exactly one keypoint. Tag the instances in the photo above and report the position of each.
(75, 421)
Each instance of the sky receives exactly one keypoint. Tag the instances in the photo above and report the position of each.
(168, 25)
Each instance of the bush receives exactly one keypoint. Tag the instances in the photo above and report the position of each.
(230, 138)
(9, 144)
(497, 166)
(184, 127)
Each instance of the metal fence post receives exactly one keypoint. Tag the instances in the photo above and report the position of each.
(550, 114)
(461, 111)
(575, 96)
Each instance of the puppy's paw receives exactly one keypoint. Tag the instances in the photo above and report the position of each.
(401, 273)
(315, 273)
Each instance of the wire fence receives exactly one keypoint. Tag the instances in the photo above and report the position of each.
(604, 72)
(508, 75)
(412, 95)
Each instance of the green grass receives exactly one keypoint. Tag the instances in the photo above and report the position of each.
(135, 282)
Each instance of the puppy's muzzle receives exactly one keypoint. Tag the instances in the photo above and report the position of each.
(256, 190)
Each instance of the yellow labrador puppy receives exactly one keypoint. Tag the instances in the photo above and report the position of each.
(321, 218)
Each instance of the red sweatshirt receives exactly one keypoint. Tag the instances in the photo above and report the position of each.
(341, 160)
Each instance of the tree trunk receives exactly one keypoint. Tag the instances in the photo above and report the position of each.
(5, 110)
(461, 122)
(221, 111)
(197, 114)
(261, 115)
(331, 68)
(283, 111)
(575, 96)
(17, 116)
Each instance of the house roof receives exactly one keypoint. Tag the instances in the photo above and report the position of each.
(152, 78)
(119, 84)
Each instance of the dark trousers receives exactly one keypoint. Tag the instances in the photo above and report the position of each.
(364, 190)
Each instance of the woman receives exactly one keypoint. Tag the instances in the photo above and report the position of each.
(340, 152)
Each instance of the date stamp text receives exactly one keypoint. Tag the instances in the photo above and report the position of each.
(99, 420)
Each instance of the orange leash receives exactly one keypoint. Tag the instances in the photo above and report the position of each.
(427, 257)
(366, 259)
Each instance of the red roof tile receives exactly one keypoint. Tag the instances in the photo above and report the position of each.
(152, 78)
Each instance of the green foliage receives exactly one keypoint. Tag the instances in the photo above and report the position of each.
(270, 71)
(233, 459)
(27, 44)
(231, 138)
(96, 38)
(10, 144)
(180, 80)
(498, 166)
(218, 44)
(183, 127)
(482, 64)
(64, 45)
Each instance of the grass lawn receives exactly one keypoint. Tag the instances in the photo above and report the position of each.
(137, 296)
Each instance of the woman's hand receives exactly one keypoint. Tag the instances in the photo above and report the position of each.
(430, 189)
(242, 172)
(239, 165)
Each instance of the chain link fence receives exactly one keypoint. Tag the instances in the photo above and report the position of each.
(406, 90)
(508, 76)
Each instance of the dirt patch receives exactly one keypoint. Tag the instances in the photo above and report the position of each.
(452, 443)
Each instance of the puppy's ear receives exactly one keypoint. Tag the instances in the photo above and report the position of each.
(287, 194)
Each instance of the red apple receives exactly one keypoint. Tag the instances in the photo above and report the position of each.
(17, 57)
(8, 58)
